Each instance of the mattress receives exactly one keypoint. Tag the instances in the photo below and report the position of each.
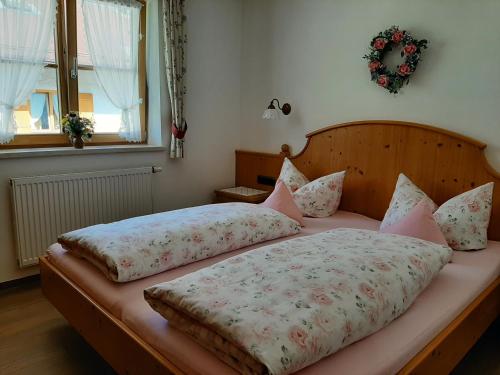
(384, 352)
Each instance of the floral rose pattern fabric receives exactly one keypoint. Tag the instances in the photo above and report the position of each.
(143, 246)
(288, 305)
(321, 197)
(406, 196)
(291, 176)
(464, 219)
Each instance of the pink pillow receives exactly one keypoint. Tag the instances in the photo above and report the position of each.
(418, 223)
(281, 200)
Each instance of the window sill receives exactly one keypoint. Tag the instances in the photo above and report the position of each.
(69, 151)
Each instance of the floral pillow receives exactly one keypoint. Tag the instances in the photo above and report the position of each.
(291, 176)
(406, 196)
(464, 219)
(321, 197)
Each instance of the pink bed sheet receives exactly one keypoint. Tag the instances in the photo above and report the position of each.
(384, 352)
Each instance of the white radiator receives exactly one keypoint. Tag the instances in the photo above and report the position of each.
(46, 206)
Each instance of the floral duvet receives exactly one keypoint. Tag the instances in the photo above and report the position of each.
(282, 307)
(143, 246)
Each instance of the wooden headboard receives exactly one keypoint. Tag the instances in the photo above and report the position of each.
(373, 153)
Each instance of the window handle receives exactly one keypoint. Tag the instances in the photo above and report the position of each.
(74, 69)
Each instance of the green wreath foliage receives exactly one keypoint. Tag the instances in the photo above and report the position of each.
(386, 41)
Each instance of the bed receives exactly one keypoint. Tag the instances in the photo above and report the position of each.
(431, 337)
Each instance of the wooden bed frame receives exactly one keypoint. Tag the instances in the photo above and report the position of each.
(442, 163)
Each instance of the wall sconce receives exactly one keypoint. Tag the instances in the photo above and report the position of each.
(271, 113)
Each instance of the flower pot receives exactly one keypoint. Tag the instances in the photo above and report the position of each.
(78, 141)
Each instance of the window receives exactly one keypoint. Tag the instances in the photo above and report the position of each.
(70, 83)
(40, 114)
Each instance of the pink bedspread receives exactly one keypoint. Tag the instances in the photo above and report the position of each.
(384, 352)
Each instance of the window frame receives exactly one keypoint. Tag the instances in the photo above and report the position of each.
(67, 88)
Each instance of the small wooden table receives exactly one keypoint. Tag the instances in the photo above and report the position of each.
(241, 194)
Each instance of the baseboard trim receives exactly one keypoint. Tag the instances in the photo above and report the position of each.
(20, 282)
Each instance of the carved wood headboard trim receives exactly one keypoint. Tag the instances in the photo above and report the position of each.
(373, 153)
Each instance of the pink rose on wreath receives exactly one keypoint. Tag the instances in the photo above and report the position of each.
(298, 336)
(404, 70)
(397, 36)
(379, 43)
(383, 81)
(374, 65)
(410, 49)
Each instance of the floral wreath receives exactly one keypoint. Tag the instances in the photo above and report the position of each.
(383, 43)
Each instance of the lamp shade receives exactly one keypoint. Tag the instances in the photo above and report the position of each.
(270, 114)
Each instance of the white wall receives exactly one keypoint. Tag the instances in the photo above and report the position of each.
(213, 110)
(242, 53)
(309, 52)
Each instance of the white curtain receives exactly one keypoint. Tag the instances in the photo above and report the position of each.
(26, 27)
(112, 29)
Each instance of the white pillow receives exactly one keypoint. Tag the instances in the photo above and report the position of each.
(406, 196)
(291, 176)
(321, 197)
(464, 219)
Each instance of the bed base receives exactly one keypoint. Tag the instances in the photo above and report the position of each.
(128, 354)
(444, 352)
(373, 153)
(122, 348)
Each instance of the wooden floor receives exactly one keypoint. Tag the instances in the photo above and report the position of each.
(35, 339)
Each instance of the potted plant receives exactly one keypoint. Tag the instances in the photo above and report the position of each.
(77, 128)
